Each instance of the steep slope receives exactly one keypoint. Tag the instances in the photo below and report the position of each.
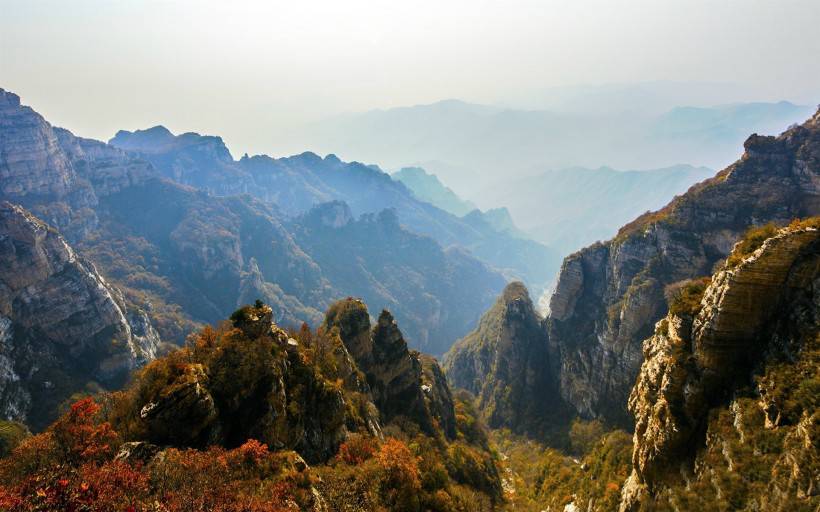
(727, 393)
(609, 295)
(296, 184)
(427, 187)
(435, 293)
(402, 383)
(505, 363)
(38, 171)
(187, 257)
(63, 328)
(574, 207)
(248, 416)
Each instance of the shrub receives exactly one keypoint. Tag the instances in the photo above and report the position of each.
(751, 241)
(11, 435)
(584, 435)
(685, 297)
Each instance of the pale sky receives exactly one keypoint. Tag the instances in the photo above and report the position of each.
(248, 69)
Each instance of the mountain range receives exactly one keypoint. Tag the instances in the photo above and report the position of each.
(185, 330)
(696, 320)
(467, 144)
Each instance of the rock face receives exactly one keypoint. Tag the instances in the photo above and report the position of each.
(277, 397)
(190, 256)
(257, 382)
(402, 383)
(61, 324)
(59, 177)
(298, 183)
(609, 296)
(505, 363)
(435, 293)
(760, 318)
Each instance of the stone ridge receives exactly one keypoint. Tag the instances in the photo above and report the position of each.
(402, 383)
(694, 364)
(609, 295)
(63, 326)
(505, 363)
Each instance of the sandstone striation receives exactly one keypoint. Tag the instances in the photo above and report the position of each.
(756, 324)
(610, 295)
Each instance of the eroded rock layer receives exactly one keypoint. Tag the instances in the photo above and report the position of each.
(62, 326)
(734, 382)
(610, 295)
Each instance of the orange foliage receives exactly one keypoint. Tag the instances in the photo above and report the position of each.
(357, 449)
(79, 438)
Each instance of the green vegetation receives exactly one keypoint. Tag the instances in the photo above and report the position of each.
(11, 435)
(751, 241)
(685, 297)
(542, 478)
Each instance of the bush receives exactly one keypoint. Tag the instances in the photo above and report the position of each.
(685, 297)
(11, 435)
(751, 241)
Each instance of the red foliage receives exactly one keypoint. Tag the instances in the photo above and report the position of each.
(80, 438)
(357, 449)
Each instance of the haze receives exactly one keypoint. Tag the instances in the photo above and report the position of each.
(251, 70)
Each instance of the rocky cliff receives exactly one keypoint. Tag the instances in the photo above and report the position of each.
(505, 363)
(726, 398)
(304, 394)
(402, 383)
(189, 256)
(609, 296)
(298, 183)
(62, 326)
(59, 177)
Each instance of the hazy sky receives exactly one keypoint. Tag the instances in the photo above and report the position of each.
(246, 70)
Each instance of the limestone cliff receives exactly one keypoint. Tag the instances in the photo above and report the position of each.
(401, 382)
(56, 175)
(62, 326)
(609, 295)
(505, 363)
(726, 398)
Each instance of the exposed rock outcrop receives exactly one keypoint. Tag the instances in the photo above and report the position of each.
(268, 392)
(761, 317)
(58, 176)
(61, 324)
(505, 363)
(609, 296)
(401, 382)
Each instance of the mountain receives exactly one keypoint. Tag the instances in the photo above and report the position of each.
(374, 258)
(63, 328)
(187, 257)
(610, 295)
(247, 414)
(728, 385)
(574, 207)
(475, 145)
(505, 363)
(294, 185)
(428, 188)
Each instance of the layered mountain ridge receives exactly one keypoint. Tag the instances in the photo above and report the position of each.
(62, 326)
(186, 256)
(609, 295)
(296, 184)
(717, 387)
